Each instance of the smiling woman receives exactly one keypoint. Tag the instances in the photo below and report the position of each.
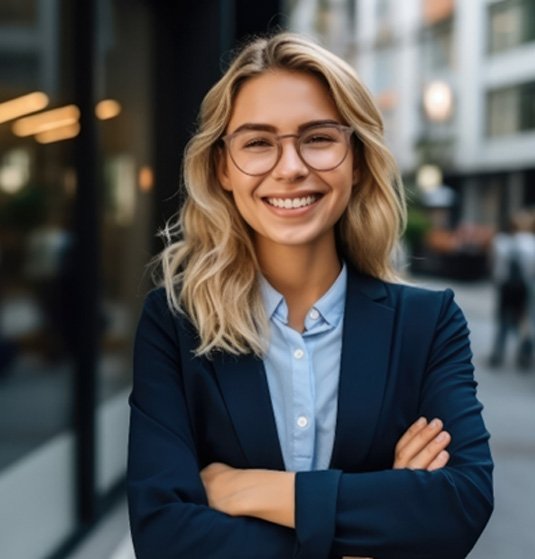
(291, 398)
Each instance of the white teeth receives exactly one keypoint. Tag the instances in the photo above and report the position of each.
(289, 203)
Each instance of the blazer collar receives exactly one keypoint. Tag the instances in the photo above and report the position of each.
(365, 349)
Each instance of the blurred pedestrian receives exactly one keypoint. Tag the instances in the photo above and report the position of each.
(513, 271)
(291, 398)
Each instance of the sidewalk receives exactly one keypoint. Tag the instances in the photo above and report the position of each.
(109, 540)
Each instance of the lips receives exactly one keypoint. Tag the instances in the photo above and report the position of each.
(293, 203)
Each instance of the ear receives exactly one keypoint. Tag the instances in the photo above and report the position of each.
(356, 175)
(222, 171)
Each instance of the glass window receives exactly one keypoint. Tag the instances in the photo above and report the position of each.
(511, 23)
(385, 69)
(383, 9)
(438, 47)
(511, 110)
(123, 109)
(36, 295)
(38, 318)
(18, 12)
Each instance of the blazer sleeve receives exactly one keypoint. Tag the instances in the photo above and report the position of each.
(169, 515)
(411, 514)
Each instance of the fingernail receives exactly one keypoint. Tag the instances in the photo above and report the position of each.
(441, 437)
(435, 423)
(422, 421)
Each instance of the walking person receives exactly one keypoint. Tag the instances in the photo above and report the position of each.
(291, 397)
(513, 272)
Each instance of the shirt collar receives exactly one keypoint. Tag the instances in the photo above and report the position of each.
(330, 305)
(271, 297)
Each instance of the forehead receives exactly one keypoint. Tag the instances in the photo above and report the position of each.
(284, 99)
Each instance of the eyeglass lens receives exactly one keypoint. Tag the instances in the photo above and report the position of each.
(256, 152)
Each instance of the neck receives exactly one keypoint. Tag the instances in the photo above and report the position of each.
(302, 274)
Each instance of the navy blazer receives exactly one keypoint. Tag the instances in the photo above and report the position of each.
(405, 353)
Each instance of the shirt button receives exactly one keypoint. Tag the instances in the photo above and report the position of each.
(302, 421)
(314, 314)
(298, 353)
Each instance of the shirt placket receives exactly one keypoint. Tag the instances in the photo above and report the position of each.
(303, 403)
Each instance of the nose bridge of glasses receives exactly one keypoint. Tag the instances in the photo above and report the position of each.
(293, 148)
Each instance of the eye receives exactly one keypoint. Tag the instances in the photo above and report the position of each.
(320, 137)
(255, 142)
(258, 143)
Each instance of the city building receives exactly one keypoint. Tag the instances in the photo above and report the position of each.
(455, 81)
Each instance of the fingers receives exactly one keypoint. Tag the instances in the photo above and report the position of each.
(411, 432)
(440, 461)
(421, 446)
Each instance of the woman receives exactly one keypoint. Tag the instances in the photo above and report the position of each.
(286, 390)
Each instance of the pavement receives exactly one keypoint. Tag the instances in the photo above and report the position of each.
(509, 399)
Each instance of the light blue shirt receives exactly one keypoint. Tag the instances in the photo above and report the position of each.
(302, 372)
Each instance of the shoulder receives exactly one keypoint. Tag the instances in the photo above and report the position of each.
(396, 294)
(414, 307)
(156, 303)
(157, 309)
(421, 305)
(415, 294)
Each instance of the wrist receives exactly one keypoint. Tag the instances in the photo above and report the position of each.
(271, 496)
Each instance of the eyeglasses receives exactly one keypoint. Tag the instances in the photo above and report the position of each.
(321, 147)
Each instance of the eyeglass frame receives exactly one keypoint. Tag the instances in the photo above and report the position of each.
(347, 130)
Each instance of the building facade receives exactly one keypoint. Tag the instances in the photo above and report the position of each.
(455, 82)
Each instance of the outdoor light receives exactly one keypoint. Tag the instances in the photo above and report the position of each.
(107, 108)
(146, 178)
(48, 120)
(59, 133)
(20, 106)
(429, 177)
(438, 101)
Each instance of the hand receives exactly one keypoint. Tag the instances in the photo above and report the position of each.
(422, 447)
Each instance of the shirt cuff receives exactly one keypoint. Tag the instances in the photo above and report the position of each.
(316, 495)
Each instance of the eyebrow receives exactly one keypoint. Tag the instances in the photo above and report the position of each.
(270, 128)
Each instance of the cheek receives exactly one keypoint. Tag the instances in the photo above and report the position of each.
(244, 199)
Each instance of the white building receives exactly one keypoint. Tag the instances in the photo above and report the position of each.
(481, 53)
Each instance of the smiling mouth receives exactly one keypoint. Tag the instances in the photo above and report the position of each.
(293, 203)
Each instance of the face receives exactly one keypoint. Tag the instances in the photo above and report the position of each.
(293, 204)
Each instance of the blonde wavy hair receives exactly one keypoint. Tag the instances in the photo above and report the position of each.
(209, 267)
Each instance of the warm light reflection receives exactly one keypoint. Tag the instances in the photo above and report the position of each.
(146, 178)
(14, 171)
(58, 134)
(70, 181)
(48, 120)
(438, 101)
(108, 108)
(30, 103)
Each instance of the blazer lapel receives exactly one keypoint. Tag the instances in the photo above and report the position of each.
(366, 338)
(246, 393)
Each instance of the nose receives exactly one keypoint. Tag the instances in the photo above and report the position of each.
(290, 166)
